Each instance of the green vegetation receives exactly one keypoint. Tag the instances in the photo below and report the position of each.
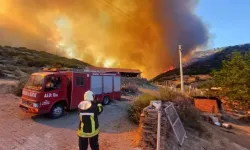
(208, 64)
(234, 78)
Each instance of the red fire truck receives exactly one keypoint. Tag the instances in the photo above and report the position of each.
(53, 91)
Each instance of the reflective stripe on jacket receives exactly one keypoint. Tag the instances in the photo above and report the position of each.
(89, 126)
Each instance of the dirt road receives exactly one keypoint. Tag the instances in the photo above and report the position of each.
(23, 132)
(20, 131)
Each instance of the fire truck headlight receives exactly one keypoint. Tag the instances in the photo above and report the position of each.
(35, 105)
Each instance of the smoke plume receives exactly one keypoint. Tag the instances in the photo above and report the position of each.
(110, 33)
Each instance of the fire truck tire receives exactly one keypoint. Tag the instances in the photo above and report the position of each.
(106, 100)
(57, 111)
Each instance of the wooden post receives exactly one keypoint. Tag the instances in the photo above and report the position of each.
(159, 131)
(181, 69)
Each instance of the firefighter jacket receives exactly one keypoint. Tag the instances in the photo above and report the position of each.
(88, 114)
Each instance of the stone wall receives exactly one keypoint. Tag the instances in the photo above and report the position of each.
(148, 128)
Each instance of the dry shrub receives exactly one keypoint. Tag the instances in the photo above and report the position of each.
(18, 89)
(130, 89)
(188, 114)
(11, 68)
(2, 74)
(17, 74)
(168, 94)
(10, 53)
(144, 100)
(28, 70)
(35, 64)
(21, 60)
(136, 108)
(184, 106)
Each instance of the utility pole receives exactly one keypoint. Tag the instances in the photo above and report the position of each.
(181, 70)
(158, 144)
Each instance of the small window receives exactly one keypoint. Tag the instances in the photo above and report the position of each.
(79, 81)
(53, 83)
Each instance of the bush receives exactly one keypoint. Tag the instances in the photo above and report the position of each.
(136, 108)
(184, 106)
(168, 95)
(144, 100)
(35, 64)
(22, 60)
(2, 74)
(18, 89)
(17, 74)
(10, 53)
(27, 70)
(234, 79)
(188, 114)
(11, 68)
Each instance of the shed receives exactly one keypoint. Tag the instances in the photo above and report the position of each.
(208, 104)
(123, 72)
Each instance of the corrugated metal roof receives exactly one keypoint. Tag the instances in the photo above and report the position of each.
(115, 70)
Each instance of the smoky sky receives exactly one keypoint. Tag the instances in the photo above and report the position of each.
(110, 33)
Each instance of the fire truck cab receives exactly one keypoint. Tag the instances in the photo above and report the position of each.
(53, 91)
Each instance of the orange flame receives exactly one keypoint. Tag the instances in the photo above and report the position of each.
(169, 69)
(105, 33)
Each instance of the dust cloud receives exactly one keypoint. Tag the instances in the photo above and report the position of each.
(108, 33)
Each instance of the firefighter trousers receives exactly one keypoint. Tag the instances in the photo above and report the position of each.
(84, 142)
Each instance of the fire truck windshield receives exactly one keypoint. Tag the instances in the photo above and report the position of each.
(35, 82)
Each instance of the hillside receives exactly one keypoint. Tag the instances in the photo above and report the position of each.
(18, 62)
(199, 55)
(205, 65)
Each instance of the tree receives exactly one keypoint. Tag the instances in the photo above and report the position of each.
(234, 78)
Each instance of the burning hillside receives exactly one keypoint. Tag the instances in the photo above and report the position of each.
(109, 33)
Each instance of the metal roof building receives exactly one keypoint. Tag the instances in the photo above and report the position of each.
(123, 72)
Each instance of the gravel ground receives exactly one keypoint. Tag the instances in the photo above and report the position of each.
(21, 131)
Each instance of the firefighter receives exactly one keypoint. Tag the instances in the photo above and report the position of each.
(88, 130)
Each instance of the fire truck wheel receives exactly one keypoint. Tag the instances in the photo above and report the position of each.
(106, 100)
(57, 111)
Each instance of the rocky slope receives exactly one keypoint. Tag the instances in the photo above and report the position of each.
(18, 62)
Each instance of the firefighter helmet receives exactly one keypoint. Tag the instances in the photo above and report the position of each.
(88, 96)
